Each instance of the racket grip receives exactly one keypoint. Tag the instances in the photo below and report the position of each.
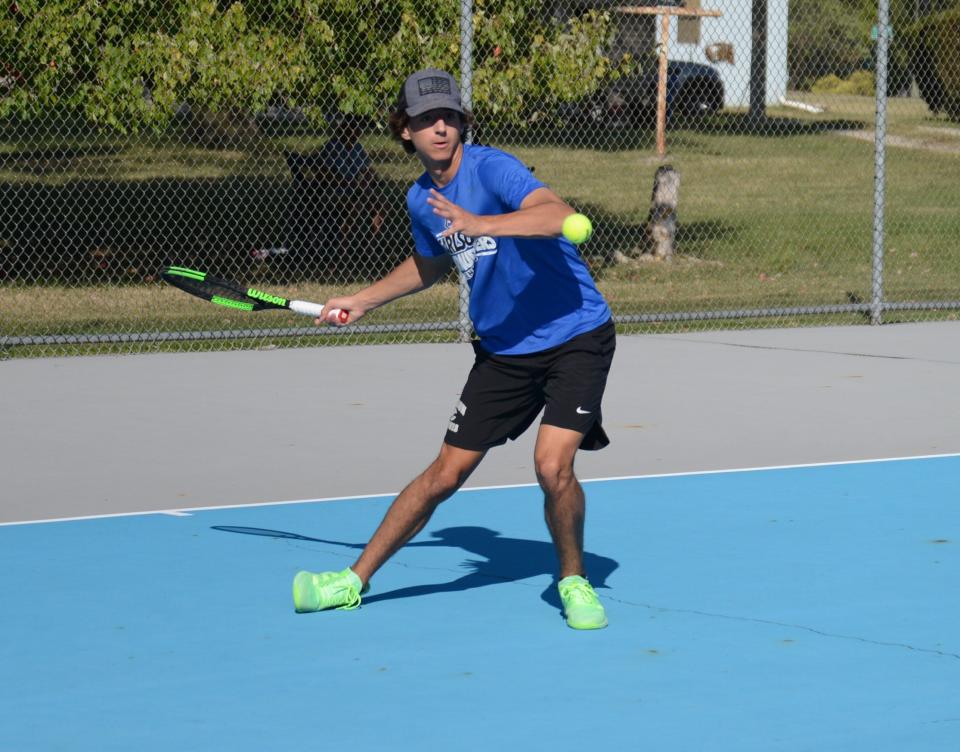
(315, 310)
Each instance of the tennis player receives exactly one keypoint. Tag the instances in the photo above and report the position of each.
(544, 338)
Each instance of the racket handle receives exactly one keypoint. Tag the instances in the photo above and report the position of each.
(315, 310)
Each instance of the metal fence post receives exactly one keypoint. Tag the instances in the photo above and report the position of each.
(879, 180)
(88, 215)
(464, 326)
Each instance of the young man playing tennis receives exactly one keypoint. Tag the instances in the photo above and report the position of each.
(545, 338)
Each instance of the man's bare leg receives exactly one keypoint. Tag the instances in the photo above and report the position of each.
(563, 500)
(564, 508)
(412, 509)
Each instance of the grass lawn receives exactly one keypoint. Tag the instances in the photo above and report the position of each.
(779, 215)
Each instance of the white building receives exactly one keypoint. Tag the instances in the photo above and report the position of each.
(724, 42)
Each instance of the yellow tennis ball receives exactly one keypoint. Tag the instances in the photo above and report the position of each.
(577, 228)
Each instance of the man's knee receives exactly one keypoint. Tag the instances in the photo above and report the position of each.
(450, 471)
(553, 458)
(443, 481)
(555, 474)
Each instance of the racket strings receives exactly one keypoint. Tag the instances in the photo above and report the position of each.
(204, 286)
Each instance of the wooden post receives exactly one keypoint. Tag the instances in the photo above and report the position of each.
(662, 86)
(664, 11)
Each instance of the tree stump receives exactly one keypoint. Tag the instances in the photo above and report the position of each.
(663, 211)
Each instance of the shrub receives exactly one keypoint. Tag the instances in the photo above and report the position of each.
(859, 83)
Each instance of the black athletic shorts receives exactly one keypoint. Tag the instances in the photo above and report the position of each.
(505, 393)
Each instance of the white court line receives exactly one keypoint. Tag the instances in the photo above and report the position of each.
(188, 511)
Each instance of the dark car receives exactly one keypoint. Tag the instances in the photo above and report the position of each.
(694, 91)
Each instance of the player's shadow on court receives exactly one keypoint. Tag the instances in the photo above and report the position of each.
(498, 560)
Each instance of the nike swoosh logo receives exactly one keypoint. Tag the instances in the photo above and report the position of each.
(581, 411)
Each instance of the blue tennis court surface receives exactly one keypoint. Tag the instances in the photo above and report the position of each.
(810, 608)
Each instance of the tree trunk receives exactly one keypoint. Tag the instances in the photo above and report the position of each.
(758, 61)
(663, 211)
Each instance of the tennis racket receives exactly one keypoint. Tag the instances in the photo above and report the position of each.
(230, 294)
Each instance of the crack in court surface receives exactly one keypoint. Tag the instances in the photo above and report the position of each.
(787, 625)
(777, 348)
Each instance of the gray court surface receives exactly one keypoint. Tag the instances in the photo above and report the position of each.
(102, 435)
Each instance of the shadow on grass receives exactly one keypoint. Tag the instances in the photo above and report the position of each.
(696, 238)
(642, 135)
(112, 231)
(614, 241)
(60, 222)
(109, 231)
(744, 124)
(45, 161)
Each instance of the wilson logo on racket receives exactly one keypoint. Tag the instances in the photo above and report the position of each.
(266, 297)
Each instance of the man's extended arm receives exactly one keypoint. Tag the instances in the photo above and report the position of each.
(541, 214)
(412, 275)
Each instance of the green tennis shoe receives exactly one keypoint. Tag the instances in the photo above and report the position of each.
(581, 605)
(316, 591)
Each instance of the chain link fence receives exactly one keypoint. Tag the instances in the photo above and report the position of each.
(744, 164)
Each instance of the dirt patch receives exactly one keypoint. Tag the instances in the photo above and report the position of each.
(905, 142)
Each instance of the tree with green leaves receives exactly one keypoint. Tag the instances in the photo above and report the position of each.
(128, 64)
(833, 38)
(828, 37)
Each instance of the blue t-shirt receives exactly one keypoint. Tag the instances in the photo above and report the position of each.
(526, 294)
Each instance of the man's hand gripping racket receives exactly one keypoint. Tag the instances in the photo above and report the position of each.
(230, 294)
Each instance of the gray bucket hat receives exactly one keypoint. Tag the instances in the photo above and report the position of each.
(431, 89)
